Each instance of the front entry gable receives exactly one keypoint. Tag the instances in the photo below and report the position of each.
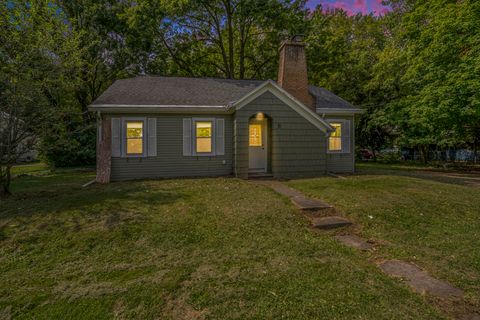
(273, 88)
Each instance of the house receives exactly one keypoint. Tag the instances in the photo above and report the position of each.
(10, 128)
(159, 127)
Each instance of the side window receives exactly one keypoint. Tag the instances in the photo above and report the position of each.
(203, 136)
(134, 137)
(335, 139)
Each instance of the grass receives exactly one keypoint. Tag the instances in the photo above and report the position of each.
(430, 219)
(180, 249)
(29, 168)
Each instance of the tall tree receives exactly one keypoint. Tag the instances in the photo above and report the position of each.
(36, 50)
(343, 51)
(435, 47)
(230, 38)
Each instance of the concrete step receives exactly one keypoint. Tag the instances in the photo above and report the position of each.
(354, 242)
(260, 175)
(331, 222)
(304, 203)
(419, 280)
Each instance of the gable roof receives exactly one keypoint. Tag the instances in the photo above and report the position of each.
(327, 101)
(288, 99)
(203, 95)
(173, 91)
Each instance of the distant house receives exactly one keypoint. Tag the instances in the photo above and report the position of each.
(158, 127)
(25, 151)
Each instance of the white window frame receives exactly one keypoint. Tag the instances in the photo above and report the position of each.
(194, 137)
(144, 137)
(343, 123)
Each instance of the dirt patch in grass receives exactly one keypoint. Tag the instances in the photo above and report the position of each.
(179, 308)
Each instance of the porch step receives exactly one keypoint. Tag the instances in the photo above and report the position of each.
(331, 222)
(260, 175)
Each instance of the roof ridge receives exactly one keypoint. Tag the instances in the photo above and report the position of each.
(185, 77)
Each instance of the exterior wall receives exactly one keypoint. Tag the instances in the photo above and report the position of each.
(297, 148)
(170, 161)
(343, 162)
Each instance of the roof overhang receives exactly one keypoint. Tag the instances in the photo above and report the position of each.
(288, 99)
(339, 111)
(123, 108)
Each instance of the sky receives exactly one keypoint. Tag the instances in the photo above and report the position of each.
(352, 6)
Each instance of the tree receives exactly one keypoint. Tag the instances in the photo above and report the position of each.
(34, 46)
(230, 38)
(343, 51)
(435, 45)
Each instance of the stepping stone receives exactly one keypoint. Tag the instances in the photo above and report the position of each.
(331, 222)
(471, 316)
(309, 204)
(419, 280)
(280, 188)
(354, 242)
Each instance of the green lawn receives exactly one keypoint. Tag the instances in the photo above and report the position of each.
(186, 249)
(425, 217)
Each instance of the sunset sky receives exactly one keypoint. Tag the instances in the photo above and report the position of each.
(352, 6)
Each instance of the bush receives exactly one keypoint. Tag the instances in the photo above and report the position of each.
(62, 148)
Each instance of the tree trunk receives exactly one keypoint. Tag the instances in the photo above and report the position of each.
(424, 153)
(231, 61)
(374, 154)
(242, 53)
(5, 178)
(475, 145)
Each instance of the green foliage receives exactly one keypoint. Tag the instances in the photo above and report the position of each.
(431, 65)
(64, 148)
(414, 70)
(36, 53)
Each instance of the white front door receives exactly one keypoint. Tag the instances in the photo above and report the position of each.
(257, 146)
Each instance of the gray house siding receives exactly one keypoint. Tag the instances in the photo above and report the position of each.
(297, 148)
(170, 161)
(343, 162)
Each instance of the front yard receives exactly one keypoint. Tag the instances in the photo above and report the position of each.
(427, 217)
(227, 249)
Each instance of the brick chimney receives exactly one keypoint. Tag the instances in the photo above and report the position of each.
(292, 71)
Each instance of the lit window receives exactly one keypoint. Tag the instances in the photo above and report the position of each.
(203, 136)
(134, 137)
(255, 135)
(335, 139)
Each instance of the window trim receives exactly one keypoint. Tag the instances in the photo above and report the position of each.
(194, 137)
(144, 137)
(343, 122)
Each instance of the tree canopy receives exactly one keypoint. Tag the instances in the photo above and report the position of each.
(414, 70)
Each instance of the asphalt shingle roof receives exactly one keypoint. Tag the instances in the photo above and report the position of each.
(327, 99)
(153, 90)
(159, 90)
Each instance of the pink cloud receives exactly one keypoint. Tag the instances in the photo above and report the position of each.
(360, 6)
(352, 6)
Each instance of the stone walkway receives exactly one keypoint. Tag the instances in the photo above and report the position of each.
(419, 280)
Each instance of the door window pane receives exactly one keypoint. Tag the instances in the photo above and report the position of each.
(255, 135)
